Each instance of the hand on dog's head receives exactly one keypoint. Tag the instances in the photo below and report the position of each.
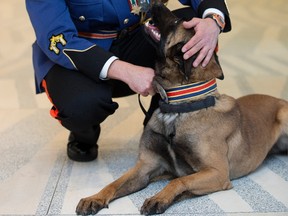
(171, 67)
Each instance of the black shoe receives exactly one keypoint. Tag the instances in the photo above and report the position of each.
(83, 150)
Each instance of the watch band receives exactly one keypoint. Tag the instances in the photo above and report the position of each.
(218, 19)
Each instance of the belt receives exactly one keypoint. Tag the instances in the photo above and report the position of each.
(109, 34)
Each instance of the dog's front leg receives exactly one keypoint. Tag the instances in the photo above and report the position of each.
(133, 180)
(203, 182)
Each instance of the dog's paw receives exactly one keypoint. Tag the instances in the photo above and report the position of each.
(90, 205)
(154, 206)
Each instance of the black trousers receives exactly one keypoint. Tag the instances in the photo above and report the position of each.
(82, 104)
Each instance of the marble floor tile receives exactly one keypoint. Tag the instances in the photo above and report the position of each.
(8, 94)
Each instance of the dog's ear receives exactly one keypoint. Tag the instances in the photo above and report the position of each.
(221, 74)
(212, 70)
(176, 55)
(188, 65)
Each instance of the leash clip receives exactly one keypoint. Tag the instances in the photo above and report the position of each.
(161, 91)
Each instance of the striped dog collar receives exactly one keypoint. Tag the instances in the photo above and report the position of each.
(190, 91)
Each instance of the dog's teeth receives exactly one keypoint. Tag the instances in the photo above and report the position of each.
(153, 31)
(156, 33)
(158, 36)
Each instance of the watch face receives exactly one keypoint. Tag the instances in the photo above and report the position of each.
(219, 20)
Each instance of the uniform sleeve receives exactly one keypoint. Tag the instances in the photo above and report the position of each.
(206, 4)
(57, 37)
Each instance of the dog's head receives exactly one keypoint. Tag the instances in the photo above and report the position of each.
(168, 33)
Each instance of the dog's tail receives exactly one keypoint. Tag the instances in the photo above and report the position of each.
(281, 146)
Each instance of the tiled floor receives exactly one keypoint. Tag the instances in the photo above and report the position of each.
(36, 178)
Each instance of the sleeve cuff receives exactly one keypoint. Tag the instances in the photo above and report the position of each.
(89, 61)
(218, 5)
(104, 72)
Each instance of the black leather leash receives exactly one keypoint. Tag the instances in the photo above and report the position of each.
(141, 106)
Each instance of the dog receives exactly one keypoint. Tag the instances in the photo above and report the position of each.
(201, 137)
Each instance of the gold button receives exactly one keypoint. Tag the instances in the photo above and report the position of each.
(126, 21)
(82, 18)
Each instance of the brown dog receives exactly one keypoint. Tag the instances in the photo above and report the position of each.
(202, 138)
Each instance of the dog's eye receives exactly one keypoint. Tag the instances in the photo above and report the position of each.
(175, 52)
(176, 49)
(178, 59)
(179, 46)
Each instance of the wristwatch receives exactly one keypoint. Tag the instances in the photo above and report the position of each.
(218, 19)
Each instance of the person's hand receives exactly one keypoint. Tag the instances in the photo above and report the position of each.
(204, 40)
(138, 78)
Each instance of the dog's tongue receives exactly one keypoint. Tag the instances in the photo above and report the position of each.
(152, 31)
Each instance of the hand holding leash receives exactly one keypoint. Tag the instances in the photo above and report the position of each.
(138, 78)
(204, 41)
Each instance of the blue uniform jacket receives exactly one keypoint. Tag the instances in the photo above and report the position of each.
(60, 27)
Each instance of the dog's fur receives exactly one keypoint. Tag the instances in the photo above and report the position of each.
(204, 149)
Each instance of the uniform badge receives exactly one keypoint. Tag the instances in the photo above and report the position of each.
(54, 40)
(136, 10)
(139, 6)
